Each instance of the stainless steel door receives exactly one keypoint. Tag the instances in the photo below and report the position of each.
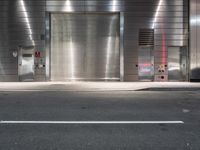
(26, 64)
(85, 46)
(146, 64)
(177, 64)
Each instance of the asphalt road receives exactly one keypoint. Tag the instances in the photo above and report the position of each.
(100, 106)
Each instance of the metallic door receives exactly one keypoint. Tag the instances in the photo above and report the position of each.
(85, 46)
(177, 64)
(26, 69)
(146, 64)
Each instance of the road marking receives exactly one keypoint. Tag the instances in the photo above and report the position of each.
(91, 122)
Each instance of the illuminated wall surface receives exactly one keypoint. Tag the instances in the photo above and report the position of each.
(23, 22)
(194, 39)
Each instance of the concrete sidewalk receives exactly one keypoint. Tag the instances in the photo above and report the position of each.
(97, 86)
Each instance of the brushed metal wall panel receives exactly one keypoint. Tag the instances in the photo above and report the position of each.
(194, 40)
(25, 24)
(21, 23)
(85, 46)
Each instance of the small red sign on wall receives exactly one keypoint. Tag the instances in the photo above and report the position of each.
(37, 54)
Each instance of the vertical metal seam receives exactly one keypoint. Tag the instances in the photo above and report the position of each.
(121, 46)
(47, 45)
(189, 46)
(196, 33)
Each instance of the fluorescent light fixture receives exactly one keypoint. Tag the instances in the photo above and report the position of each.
(195, 20)
(157, 13)
(27, 21)
(68, 6)
(114, 5)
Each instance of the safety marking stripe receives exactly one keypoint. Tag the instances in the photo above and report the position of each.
(91, 122)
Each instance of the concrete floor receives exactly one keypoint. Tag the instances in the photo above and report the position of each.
(103, 102)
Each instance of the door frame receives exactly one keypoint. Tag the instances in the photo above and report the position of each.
(186, 64)
(48, 42)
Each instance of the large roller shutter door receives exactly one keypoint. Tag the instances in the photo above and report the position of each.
(85, 47)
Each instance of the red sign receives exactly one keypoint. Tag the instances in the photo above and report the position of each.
(37, 54)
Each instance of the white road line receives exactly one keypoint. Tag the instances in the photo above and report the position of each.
(91, 122)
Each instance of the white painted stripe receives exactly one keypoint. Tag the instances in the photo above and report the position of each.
(91, 122)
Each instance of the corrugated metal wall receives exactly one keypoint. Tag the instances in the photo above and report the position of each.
(22, 22)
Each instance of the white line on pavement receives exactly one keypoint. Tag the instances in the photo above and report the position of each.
(91, 122)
